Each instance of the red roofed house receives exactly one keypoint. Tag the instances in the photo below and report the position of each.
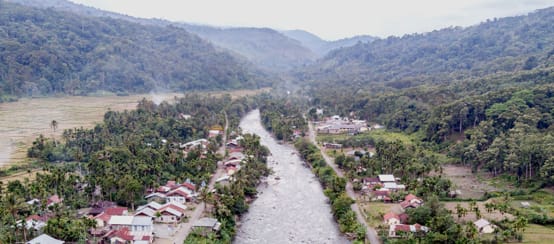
(391, 219)
(411, 201)
(117, 211)
(54, 199)
(102, 220)
(36, 222)
(171, 184)
(122, 235)
(189, 186)
(178, 196)
(380, 195)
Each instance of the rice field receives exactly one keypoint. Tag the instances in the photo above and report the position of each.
(23, 121)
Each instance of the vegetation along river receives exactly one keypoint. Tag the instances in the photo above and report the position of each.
(290, 209)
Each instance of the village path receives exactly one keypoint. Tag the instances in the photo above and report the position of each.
(371, 233)
(185, 228)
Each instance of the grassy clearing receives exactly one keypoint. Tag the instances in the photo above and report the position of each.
(493, 215)
(542, 203)
(22, 121)
(374, 211)
(376, 135)
(21, 176)
(538, 234)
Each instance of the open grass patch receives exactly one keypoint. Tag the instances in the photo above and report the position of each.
(538, 234)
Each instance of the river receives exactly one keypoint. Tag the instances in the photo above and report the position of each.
(292, 209)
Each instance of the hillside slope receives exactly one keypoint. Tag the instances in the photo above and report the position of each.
(265, 47)
(495, 46)
(43, 51)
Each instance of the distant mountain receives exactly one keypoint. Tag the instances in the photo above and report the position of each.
(266, 47)
(43, 51)
(322, 47)
(263, 46)
(496, 46)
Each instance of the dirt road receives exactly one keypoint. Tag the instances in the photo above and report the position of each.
(371, 233)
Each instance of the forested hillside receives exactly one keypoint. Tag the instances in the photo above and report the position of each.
(482, 95)
(265, 47)
(492, 47)
(43, 51)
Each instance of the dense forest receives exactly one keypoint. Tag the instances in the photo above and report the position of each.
(43, 52)
(441, 56)
(267, 48)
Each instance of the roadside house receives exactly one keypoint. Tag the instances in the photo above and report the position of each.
(206, 225)
(484, 226)
(45, 239)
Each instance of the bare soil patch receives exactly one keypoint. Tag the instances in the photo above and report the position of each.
(470, 185)
(493, 215)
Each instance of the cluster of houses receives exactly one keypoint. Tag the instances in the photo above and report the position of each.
(397, 222)
(37, 222)
(173, 192)
(342, 125)
(380, 187)
(337, 125)
(116, 225)
(233, 160)
(166, 205)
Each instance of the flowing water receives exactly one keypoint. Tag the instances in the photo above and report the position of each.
(291, 209)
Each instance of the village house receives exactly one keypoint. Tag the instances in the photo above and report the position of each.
(338, 125)
(138, 226)
(371, 181)
(411, 201)
(391, 219)
(167, 213)
(45, 239)
(124, 235)
(381, 195)
(173, 192)
(100, 206)
(332, 145)
(206, 225)
(388, 182)
(236, 156)
(36, 222)
(398, 229)
(202, 143)
(484, 226)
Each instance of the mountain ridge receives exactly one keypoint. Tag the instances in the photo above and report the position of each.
(44, 51)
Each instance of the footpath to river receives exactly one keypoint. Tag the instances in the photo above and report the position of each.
(291, 207)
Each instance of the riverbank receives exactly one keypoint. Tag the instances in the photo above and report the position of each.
(292, 208)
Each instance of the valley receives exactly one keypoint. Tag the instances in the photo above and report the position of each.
(275, 134)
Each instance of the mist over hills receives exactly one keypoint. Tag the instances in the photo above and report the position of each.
(322, 47)
(269, 49)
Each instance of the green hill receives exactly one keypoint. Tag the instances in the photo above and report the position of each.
(43, 51)
(492, 47)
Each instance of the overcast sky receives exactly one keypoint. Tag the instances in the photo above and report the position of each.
(328, 19)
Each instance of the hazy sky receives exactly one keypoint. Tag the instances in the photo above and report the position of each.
(329, 19)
